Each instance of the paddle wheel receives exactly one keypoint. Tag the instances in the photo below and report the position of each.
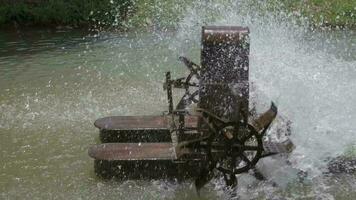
(210, 129)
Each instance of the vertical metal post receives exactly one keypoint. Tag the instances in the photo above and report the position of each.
(169, 92)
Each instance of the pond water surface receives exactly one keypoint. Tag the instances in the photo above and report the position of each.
(55, 83)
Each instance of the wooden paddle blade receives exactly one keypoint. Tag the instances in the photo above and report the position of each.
(205, 175)
(266, 118)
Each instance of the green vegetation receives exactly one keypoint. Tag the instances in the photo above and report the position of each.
(350, 151)
(166, 13)
(322, 13)
(64, 12)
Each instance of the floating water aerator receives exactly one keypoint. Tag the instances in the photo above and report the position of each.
(219, 134)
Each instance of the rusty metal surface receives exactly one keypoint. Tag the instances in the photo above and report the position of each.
(135, 136)
(265, 119)
(218, 34)
(143, 129)
(139, 122)
(191, 121)
(133, 151)
(147, 169)
(132, 122)
(224, 87)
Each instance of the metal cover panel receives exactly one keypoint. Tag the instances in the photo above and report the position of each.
(224, 87)
(226, 34)
(133, 151)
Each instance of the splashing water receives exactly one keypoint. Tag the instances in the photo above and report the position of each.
(311, 86)
(49, 98)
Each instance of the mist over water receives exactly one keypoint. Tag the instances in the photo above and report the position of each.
(50, 97)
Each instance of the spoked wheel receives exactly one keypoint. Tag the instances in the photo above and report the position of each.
(191, 87)
(191, 83)
(232, 147)
(242, 149)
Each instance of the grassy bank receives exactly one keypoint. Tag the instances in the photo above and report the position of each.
(163, 13)
(64, 12)
(121, 14)
(166, 13)
(325, 13)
